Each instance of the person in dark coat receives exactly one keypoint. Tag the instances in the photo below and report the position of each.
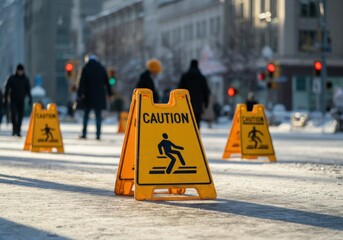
(146, 79)
(196, 84)
(92, 90)
(16, 89)
(250, 102)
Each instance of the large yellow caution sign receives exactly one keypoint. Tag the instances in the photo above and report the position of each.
(44, 130)
(165, 144)
(249, 134)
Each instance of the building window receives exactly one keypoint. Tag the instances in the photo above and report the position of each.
(263, 6)
(188, 32)
(165, 39)
(274, 40)
(204, 23)
(241, 10)
(307, 40)
(308, 8)
(273, 8)
(174, 36)
(214, 27)
(201, 28)
(190, 29)
(198, 29)
(300, 84)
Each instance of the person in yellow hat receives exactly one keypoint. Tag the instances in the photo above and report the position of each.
(146, 79)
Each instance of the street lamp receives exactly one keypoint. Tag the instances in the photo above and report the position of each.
(265, 16)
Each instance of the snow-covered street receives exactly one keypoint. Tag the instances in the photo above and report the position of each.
(70, 196)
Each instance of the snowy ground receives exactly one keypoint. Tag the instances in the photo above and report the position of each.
(70, 196)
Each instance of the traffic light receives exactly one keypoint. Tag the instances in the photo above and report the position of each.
(272, 85)
(111, 77)
(317, 66)
(261, 76)
(232, 91)
(69, 67)
(271, 70)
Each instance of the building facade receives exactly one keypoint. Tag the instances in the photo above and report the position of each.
(233, 40)
(12, 37)
(117, 39)
(289, 33)
(55, 33)
(173, 31)
(191, 30)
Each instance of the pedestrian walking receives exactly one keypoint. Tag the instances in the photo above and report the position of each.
(146, 79)
(92, 92)
(16, 89)
(250, 102)
(195, 82)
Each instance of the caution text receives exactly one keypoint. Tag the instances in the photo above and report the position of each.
(165, 117)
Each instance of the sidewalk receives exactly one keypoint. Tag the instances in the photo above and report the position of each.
(70, 196)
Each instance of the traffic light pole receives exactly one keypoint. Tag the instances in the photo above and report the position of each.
(323, 9)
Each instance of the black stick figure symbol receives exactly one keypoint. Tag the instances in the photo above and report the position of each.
(166, 146)
(253, 136)
(47, 131)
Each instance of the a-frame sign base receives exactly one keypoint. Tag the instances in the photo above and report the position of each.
(162, 150)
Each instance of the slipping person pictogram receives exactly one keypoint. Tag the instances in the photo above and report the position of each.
(253, 136)
(166, 146)
(47, 131)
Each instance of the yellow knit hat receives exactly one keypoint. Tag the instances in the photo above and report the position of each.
(154, 66)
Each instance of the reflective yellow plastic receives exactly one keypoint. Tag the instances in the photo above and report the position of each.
(44, 132)
(168, 151)
(233, 144)
(125, 174)
(254, 137)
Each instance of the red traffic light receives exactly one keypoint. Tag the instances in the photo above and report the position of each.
(317, 65)
(271, 67)
(231, 92)
(69, 67)
(261, 76)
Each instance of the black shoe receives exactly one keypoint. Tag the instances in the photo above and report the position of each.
(98, 138)
(82, 137)
(18, 134)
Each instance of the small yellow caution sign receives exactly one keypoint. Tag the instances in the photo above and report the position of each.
(44, 130)
(166, 148)
(122, 122)
(249, 134)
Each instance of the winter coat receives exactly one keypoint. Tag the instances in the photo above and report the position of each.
(146, 81)
(93, 84)
(250, 104)
(198, 89)
(17, 88)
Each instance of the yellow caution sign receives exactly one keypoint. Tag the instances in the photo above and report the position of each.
(125, 174)
(253, 139)
(44, 130)
(122, 122)
(168, 152)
